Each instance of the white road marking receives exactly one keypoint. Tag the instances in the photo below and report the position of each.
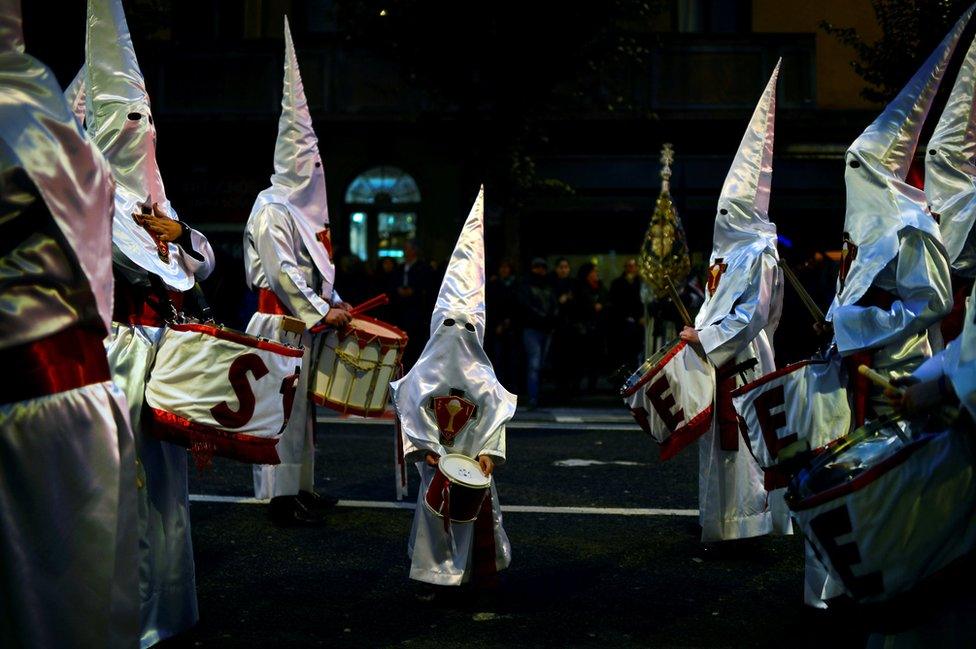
(580, 424)
(564, 419)
(574, 462)
(523, 509)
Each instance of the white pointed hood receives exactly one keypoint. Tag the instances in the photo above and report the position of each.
(298, 182)
(950, 167)
(462, 293)
(743, 207)
(743, 231)
(454, 361)
(120, 123)
(74, 94)
(879, 201)
(39, 135)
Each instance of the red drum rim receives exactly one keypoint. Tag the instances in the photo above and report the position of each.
(775, 374)
(397, 339)
(240, 338)
(453, 520)
(651, 373)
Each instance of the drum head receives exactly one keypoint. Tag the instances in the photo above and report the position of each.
(634, 380)
(863, 449)
(463, 470)
(368, 329)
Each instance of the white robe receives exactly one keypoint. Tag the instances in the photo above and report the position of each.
(733, 502)
(918, 277)
(275, 259)
(437, 557)
(68, 545)
(167, 582)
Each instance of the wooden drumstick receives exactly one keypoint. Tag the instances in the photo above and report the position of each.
(679, 305)
(878, 379)
(371, 303)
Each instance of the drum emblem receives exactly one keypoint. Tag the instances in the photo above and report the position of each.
(847, 256)
(714, 275)
(452, 413)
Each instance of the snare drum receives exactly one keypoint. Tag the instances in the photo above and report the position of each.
(793, 412)
(354, 366)
(883, 510)
(671, 395)
(221, 392)
(458, 488)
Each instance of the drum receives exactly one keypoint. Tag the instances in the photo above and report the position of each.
(221, 392)
(884, 510)
(354, 366)
(457, 489)
(671, 396)
(793, 412)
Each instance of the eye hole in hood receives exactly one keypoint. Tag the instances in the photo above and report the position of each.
(135, 117)
(449, 322)
(469, 327)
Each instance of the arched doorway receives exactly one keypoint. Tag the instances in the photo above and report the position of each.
(382, 204)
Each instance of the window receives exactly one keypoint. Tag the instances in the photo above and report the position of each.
(382, 205)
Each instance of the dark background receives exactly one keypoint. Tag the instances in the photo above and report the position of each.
(561, 110)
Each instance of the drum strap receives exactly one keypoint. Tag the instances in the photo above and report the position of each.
(269, 303)
(483, 554)
(725, 416)
(860, 385)
(67, 360)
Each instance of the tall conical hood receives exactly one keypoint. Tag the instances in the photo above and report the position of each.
(950, 167)
(120, 123)
(462, 292)
(39, 136)
(75, 94)
(879, 201)
(743, 207)
(298, 182)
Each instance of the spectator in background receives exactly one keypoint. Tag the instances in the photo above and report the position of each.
(385, 281)
(564, 338)
(502, 339)
(537, 314)
(626, 330)
(414, 289)
(591, 301)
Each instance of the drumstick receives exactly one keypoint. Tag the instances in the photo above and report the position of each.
(371, 303)
(805, 297)
(877, 379)
(679, 305)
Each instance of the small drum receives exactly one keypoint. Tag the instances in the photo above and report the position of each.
(221, 392)
(884, 510)
(671, 395)
(457, 489)
(792, 412)
(354, 366)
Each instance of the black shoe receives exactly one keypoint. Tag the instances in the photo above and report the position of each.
(317, 502)
(289, 511)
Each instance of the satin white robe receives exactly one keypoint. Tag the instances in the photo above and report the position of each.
(275, 258)
(68, 546)
(167, 582)
(435, 556)
(733, 503)
(900, 336)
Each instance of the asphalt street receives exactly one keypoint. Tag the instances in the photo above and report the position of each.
(605, 542)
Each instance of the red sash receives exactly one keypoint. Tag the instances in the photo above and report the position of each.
(269, 303)
(483, 554)
(726, 419)
(64, 361)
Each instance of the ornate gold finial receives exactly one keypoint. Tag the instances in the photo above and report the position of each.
(664, 253)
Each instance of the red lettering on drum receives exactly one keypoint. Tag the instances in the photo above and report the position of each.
(827, 528)
(640, 416)
(289, 386)
(237, 375)
(771, 423)
(663, 401)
